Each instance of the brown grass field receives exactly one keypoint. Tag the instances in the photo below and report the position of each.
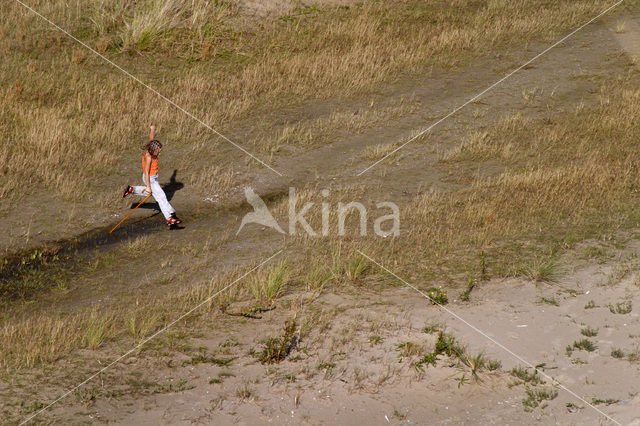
(519, 213)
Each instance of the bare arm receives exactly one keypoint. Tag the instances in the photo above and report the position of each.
(153, 133)
(147, 170)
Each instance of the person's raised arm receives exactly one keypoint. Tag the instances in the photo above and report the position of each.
(153, 133)
(147, 170)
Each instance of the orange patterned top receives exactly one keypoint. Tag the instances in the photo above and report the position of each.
(154, 166)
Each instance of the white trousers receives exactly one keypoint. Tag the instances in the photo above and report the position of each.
(157, 193)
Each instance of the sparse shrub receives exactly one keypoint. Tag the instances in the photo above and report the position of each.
(326, 366)
(465, 295)
(585, 345)
(608, 401)
(493, 364)
(617, 353)
(437, 295)
(277, 349)
(523, 374)
(244, 392)
(375, 340)
(621, 307)
(96, 333)
(551, 301)
(568, 350)
(429, 359)
(408, 349)
(141, 324)
(268, 288)
(317, 277)
(430, 329)
(474, 362)
(356, 267)
(634, 356)
(589, 332)
(446, 344)
(536, 396)
(543, 270)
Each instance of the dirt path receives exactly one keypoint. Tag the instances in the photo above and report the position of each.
(567, 74)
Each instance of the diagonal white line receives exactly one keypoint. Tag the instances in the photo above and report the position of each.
(476, 329)
(162, 330)
(133, 77)
(490, 87)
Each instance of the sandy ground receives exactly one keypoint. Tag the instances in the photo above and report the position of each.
(372, 381)
(337, 374)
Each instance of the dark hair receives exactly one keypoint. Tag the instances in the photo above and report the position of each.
(153, 147)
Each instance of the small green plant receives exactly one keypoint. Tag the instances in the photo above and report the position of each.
(356, 267)
(277, 349)
(429, 359)
(483, 266)
(96, 334)
(608, 401)
(596, 252)
(551, 301)
(462, 380)
(617, 353)
(589, 332)
(142, 327)
(375, 340)
(621, 307)
(590, 305)
(524, 375)
(215, 381)
(543, 270)
(317, 277)
(634, 356)
(465, 295)
(493, 365)
(229, 343)
(326, 366)
(408, 349)
(244, 392)
(446, 344)
(475, 363)
(437, 295)
(398, 415)
(536, 396)
(430, 329)
(269, 288)
(585, 345)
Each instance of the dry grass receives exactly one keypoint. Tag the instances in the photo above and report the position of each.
(29, 342)
(578, 188)
(63, 100)
(566, 179)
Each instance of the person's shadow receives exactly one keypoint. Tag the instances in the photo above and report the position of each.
(169, 189)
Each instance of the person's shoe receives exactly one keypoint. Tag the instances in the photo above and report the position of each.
(128, 190)
(170, 222)
(175, 218)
